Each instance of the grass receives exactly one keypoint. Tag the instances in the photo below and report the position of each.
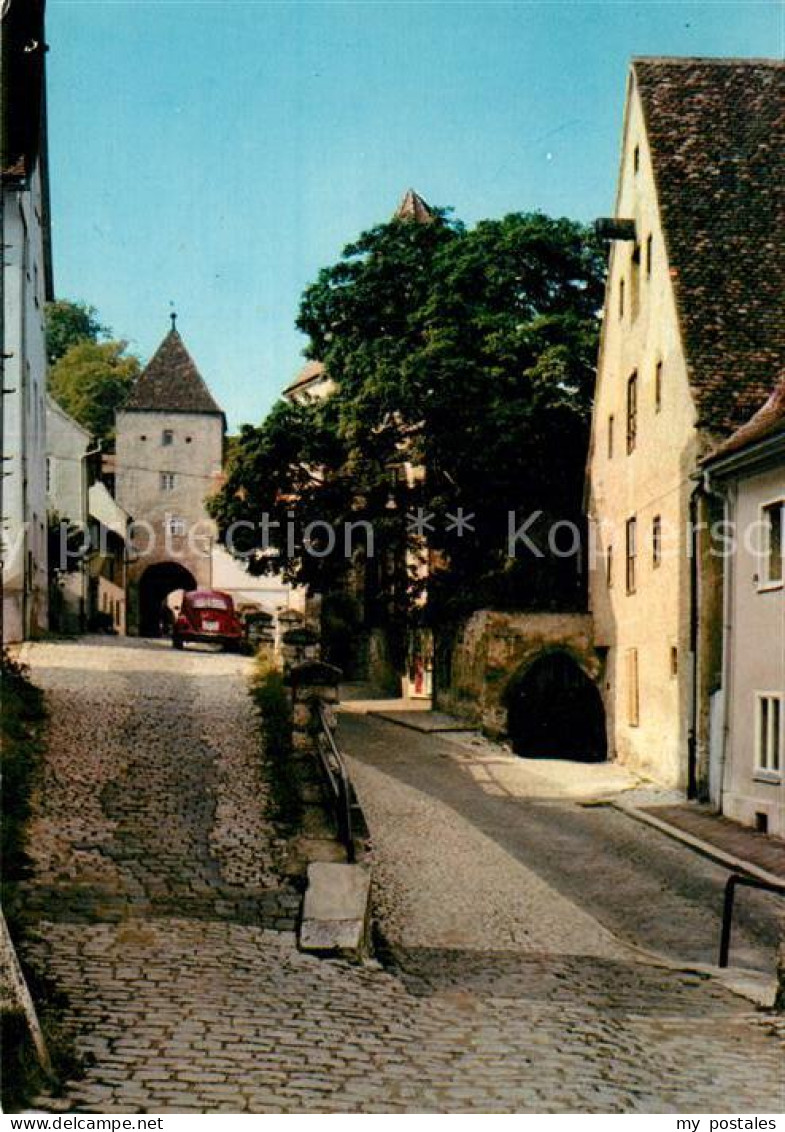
(283, 773)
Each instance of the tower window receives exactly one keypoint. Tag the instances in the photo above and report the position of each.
(175, 526)
(167, 481)
(632, 411)
(658, 387)
(649, 241)
(632, 538)
(636, 159)
(621, 298)
(609, 567)
(656, 540)
(167, 437)
(610, 437)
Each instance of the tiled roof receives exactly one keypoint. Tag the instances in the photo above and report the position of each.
(767, 422)
(413, 207)
(716, 129)
(311, 371)
(171, 383)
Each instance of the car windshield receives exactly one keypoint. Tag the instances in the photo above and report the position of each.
(210, 601)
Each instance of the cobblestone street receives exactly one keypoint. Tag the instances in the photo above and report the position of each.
(161, 915)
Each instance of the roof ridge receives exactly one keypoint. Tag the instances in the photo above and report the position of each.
(719, 60)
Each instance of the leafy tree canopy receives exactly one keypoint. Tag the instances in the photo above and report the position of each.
(68, 323)
(468, 354)
(91, 380)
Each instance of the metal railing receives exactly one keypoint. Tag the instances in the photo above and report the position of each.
(727, 909)
(336, 779)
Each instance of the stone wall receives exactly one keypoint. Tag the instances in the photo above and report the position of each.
(492, 650)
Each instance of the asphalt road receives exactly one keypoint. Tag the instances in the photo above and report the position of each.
(639, 884)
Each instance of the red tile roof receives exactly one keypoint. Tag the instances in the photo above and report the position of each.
(413, 207)
(310, 372)
(716, 129)
(767, 422)
(171, 383)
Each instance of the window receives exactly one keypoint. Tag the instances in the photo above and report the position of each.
(674, 661)
(649, 244)
(143, 437)
(167, 437)
(636, 159)
(175, 526)
(188, 439)
(632, 533)
(772, 519)
(214, 601)
(768, 732)
(167, 481)
(609, 567)
(621, 298)
(656, 541)
(658, 387)
(610, 437)
(632, 412)
(633, 693)
(49, 476)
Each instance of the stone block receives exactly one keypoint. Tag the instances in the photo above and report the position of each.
(335, 909)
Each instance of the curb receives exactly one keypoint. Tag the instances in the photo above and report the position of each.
(705, 848)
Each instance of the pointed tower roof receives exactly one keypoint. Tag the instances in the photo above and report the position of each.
(171, 383)
(413, 207)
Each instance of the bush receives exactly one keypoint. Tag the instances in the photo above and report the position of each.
(22, 715)
(275, 715)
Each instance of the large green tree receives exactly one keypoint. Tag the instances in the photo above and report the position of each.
(68, 323)
(91, 380)
(468, 354)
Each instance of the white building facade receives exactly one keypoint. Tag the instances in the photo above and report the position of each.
(27, 286)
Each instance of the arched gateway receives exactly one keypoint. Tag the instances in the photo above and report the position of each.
(555, 711)
(155, 585)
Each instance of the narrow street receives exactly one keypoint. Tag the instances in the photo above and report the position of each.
(161, 915)
(520, 858)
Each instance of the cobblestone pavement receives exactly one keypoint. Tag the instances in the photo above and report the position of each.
(517, 863)
(185, 1016)
(154, 800)
(151, 846)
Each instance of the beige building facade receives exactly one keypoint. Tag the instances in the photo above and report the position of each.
(678, 368)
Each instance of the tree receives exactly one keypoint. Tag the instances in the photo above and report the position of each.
(91, 380)
(68, 323)
(468, 354)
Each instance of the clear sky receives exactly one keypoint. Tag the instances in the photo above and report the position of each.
(217, 154)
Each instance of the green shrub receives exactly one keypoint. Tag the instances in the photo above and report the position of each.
(283, 773)
(22, 715)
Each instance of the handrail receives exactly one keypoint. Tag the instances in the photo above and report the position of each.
(727, 908)
(337, 779)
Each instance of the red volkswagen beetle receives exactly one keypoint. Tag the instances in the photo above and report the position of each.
(207, 616)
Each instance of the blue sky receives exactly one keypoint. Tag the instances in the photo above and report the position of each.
(217, 154)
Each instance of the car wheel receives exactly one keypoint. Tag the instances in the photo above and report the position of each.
(177, 643)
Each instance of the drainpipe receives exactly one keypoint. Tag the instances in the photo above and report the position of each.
(692, 736)
(703, 490)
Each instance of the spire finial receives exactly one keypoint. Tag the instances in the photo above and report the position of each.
(173, 316)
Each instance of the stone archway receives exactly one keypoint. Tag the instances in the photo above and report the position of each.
(554, 710)
(155, 585)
